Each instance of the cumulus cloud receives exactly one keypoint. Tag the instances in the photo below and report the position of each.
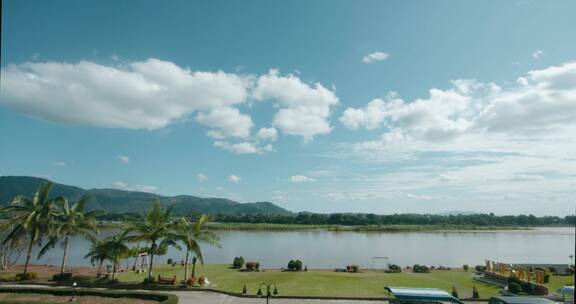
(140, 95)
(234, 178)
(301, 179)
(123, 158)
(267, 134)
(375, 57)
(153, 93)
(543, 100)
(239, 148)
(201, 177)
(304, 109)
(229, 122)
(140, 188)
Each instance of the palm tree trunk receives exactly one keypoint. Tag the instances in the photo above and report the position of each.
(114, 267)
(186, 267)
(99, 273)
(65, 256)
(194, 267)
(29, 254)
(153, 248)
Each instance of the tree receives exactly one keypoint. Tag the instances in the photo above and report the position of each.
(98, 253)
(116, 248)
(153, 227)
(192, 234)
(31, 218)
(10, 252)
(71, 221)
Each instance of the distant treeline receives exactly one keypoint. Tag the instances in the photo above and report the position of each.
(355, 219)
(359, 219)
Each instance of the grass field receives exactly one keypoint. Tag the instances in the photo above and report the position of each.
(328, 283)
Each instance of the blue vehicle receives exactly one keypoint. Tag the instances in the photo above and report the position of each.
(402, 295)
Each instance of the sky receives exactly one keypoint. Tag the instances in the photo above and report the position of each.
(322, 106)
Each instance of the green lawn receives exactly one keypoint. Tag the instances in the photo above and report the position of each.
(326, 283)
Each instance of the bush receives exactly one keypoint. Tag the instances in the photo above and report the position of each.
(546, 278)
(353, 268)
(480, 268)
(26, 276)
(420, 269)
(514, 287)
(527, 287)
(465, 267)
(295, 265)
(83, 279)
(151, 281)
(238, 262)
(393, 268)
(62, 277)
(252, 266)
(170, 261)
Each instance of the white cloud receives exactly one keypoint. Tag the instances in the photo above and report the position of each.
(375, 57)
(60, 163)
(229, 122)
(267, 134)
(140, 95)
(304, 109)
(542, 101)
(234, 179)
(537, 54)
(301, 179)
(123, 158)
(201, 177)
(239, 148)
(140, 188)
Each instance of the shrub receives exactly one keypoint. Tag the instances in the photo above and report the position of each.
(238, 262)
(546, 278)
(26, 276)
(393, 268)
(152, 280)
(514, 287)
(83, 279)
(170, 261)
(62, 277)
(420, 269)
(527, 287)
(480, 268)
(252, 266)
(465, 267)
(353, 268)
(295, 265)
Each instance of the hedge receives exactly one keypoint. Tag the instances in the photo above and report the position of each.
(160, 297)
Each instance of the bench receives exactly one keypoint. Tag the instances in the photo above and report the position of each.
(166, 280)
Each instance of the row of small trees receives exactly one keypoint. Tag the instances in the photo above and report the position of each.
(31, 221)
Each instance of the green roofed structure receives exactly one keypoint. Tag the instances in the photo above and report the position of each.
(519, 300)
(420, 295)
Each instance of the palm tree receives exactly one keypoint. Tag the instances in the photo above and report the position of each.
(31, 218)
(116, 248)
(192, 234)
(153, 227)
(98, 253)
(71, 221)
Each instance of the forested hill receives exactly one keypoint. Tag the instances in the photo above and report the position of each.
(121, 201)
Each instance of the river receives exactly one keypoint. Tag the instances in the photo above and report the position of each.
(327, 249)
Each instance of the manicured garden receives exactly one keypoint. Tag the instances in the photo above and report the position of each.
(325, 283)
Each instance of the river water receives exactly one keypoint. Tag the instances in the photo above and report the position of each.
(326, 249)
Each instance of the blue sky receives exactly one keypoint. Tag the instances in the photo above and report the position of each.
(324, 106)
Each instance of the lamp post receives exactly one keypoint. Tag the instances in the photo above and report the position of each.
(269, 292)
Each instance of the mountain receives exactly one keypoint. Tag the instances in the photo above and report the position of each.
(121, 201)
